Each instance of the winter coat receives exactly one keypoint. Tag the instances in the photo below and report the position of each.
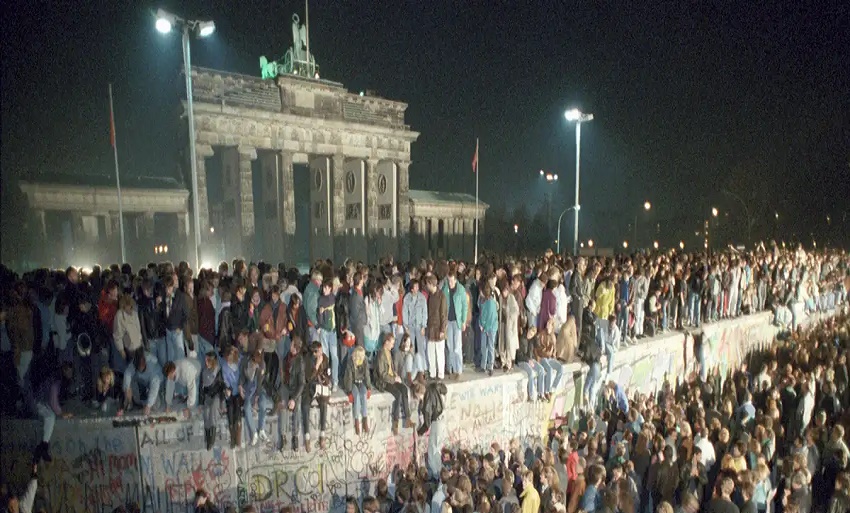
(415, 312)
(461, 302)
(152, 321)
(356, 374)
(273, 329)
(438, 317)
(127, 334)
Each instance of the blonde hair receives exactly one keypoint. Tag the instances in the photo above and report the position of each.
(126, 300)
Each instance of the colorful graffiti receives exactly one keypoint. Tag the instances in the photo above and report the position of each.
(97, 467)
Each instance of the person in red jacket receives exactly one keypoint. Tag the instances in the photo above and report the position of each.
(107, 307)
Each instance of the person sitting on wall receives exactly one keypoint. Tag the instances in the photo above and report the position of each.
(357, 383)
(47, 405)
(386, 380)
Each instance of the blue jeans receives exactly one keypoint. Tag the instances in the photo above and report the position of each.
(611, 355)
(204, 347)
(554, 372)
(623, 321)
(48, 418)
(172, 350)
(454, 348)
(594, 372)
(536, 376)
(420, 344)
(263, 403)
(358, 408)
(282, 347)
(477, 342)
(331, 348)
(694, 306)
(436, 439)
(488, 350)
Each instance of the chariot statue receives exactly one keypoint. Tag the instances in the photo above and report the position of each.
(296, 61)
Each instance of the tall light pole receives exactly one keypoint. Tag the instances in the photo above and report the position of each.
(165, 21)
(646, 206)
(578, 117)
(574, 207)
(549, 179)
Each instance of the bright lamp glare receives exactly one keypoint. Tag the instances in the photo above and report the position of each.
(556, 178)
(572, 115)
(206, 28)
(647, 205)
(163, 25)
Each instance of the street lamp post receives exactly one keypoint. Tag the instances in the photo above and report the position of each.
(164, 22)
(646, 206)
(574, 207)
(578, 117)
(550, 179)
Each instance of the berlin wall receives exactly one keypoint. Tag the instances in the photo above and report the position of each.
(99, 464)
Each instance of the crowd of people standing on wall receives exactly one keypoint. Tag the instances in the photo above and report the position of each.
(251, 340)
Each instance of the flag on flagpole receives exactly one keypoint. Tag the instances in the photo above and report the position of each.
(475, 158)
(111, 124)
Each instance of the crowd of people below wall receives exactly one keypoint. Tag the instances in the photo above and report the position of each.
(249, 341)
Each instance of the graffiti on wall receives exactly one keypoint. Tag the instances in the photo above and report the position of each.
(93, 470)
(160, 466)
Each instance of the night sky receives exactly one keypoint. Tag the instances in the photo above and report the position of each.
(689, 97)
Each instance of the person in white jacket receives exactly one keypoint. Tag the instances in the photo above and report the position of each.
(535, 295)
(23, 503)
(126, 333)
(389, 298)
(184, 372)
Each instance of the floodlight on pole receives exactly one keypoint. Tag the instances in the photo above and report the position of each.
(206, 28)
(714, 211)
(590, 243)
(164, 23)
(647, 205)
(578, 117)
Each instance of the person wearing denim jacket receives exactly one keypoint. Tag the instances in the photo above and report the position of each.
(489, 323)
(458, 315)
(415, 316)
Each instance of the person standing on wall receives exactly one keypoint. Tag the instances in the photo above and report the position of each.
(326, 328)
(290, 388)
(457, 302)
(435, 329)
(176, 315)
(415, 320)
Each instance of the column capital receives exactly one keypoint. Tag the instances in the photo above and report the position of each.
(403, 165)
(372, 163)
(247, 152)
(203, 150)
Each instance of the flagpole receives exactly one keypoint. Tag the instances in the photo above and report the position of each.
(477, 167)
(117, 177)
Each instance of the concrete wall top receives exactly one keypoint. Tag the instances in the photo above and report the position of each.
(99, 465)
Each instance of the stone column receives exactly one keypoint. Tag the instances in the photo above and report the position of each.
(371, 213)
(338, 209)
(287, 206)
(247, 154)
(202, 151)
(434, 241)
(403, 221)
(449, 233)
